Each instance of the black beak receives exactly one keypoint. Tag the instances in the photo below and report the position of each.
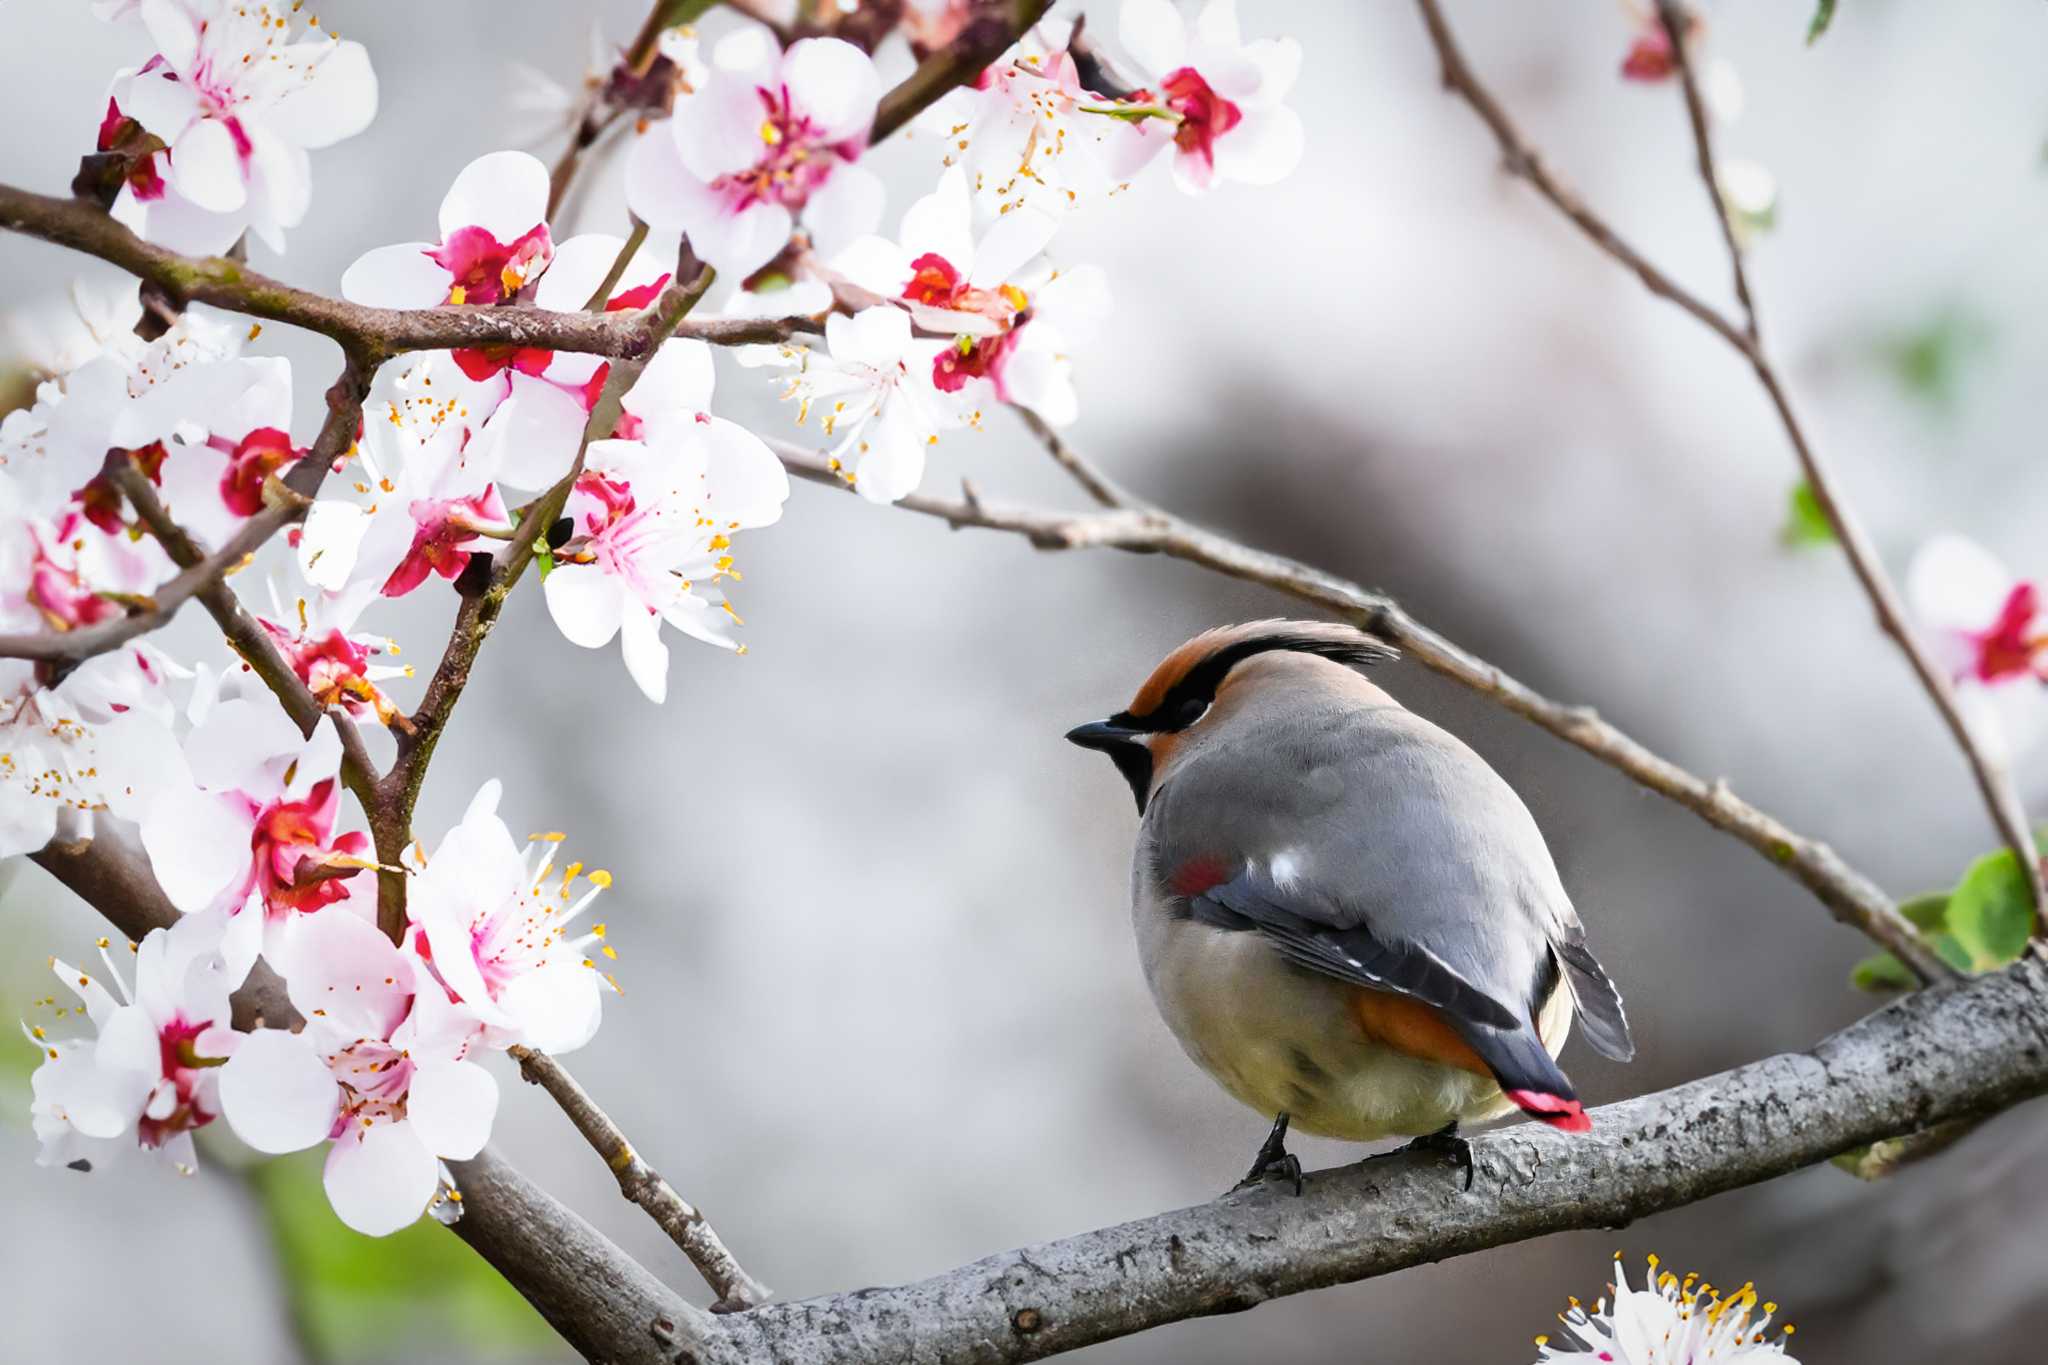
(1107, 736)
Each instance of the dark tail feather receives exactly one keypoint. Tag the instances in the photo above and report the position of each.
(1599, 1004)
(1529, 1076)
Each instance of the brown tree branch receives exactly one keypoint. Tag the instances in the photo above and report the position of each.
(1106, 491)
(374, 332)
(1994, 783)
(1676, 30)
(991, 29)
(1852, 898)
(639, 1182)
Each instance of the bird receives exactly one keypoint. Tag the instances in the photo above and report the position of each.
(1346, 917)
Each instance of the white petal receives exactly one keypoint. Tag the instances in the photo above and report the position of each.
(717, 131)
(401, 276)
(504, 193)
(1216, 25)
(646, 656)
(174, 28)
(451, 1106)
(239, 747)
(328, 542)
(1154, 35)
(1279, 64)
(659, 189)
(744, 482)
(1263, 149)
(875, 264)
(834, 83)
(1011, 243)
(677, 382)
(277, 1093)
(1956, 583)
(844, 207)
(197, 847)
(738, 244)
(942, 222)
(158, 103)
(531, 440)
(558, 1008)
(874, 336)
(380, 1178)
(318, 761)
(337, 101)
(206, 168)
(579, 267)
(345, 973)
(586, 603)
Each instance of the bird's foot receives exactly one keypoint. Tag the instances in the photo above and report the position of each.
(1273, 1158)
(1444, 1142)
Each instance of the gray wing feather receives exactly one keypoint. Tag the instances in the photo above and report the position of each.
(1376, 828)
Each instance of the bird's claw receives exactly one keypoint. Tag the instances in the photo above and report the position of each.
(1445, 1142)
(1273, 1157)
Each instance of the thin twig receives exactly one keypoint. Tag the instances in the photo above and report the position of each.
(1096, 484)
(1994, 783)
(1852, 898)
(1676, 27)
(602, 295)
(76, 646)
(684, 1223)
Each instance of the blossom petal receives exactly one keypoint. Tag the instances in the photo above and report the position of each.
(343, 972)
(379, 1177)
(558, 1007)
(337, 101)
(206, 168)
(1263, 149)
(1154, 34)
(1956, 583)
(530, 440)
(239, 744)
(844, 207)
(835, 84)
(451, 1106)
(504, 193)
(646, 656)
(874, 336)
(677, 383)
(586, 602)
(197, 846)
(943, 222)
(401, 276)
(717, 131)
(738, 244)
(1011, 243)
(277, 1093)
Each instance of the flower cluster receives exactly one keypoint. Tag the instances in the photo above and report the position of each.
(158, 436)
(1668, 1321)
(384, 1069)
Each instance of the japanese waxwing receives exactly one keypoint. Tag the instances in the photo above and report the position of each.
(1346, 917)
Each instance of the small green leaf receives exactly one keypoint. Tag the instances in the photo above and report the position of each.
(545, 558)
(1823, 15)
(1928, 910)
(1931, 359)
(1991, 913)
(1805, 523)
(1882, 973)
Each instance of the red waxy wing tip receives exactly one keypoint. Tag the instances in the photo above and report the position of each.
(1555, 1110)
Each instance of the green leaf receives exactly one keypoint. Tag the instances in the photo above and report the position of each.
(1882, 973)
(1991, 912)
(1928, 910)
(1930, 360)
(359, 1294)
(1823, 15)
(545, 559)
(1805, 523)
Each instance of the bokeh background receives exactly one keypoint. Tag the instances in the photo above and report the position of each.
(882, 1009)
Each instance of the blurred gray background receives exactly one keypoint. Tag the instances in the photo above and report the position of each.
(882, 1010)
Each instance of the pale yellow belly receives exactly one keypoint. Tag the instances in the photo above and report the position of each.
(1283, 1040)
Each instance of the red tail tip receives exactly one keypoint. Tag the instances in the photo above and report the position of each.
(1557, 1111)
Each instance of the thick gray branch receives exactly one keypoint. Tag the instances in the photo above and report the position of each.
(1951, 1052)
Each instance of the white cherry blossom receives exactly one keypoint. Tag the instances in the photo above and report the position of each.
(237, 100)
(382, 1072)
(147, 1072)
(491, 924)
(771, 136)
(1216, 98)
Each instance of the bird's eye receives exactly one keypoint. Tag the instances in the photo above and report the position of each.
(1187, 713)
